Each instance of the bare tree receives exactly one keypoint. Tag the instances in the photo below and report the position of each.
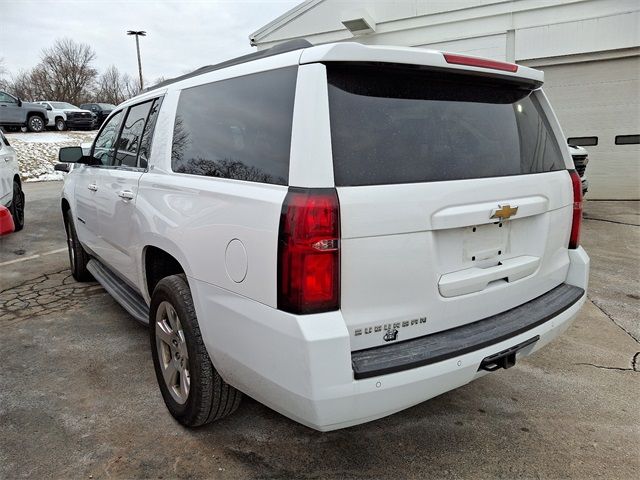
(65, 72)
(110, 87)
(131, 86)
(21, 85)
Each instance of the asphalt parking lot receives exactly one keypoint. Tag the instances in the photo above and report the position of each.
(78, 396)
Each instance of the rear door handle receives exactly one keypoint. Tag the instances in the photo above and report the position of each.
(93, 187)
(126, 194)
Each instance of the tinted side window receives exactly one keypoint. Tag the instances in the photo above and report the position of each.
(6, 98)
(147, 135)
(395, 125)
(129, 141)
(104, 146)
(238, 128)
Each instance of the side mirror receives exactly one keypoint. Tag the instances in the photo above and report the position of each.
(49, 108)
(19, 102)
(70, 155)
(62, 167)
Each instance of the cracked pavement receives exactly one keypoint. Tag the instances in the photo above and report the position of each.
(78, 396)
(50, 293)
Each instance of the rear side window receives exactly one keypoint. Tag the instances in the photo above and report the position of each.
(131, 135)
(147, 135)
(238, 128)
(395, 125)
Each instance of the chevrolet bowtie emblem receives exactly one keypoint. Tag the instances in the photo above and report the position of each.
(504, 212)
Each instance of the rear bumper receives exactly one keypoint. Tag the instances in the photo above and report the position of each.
(456, 342)
(301, 366)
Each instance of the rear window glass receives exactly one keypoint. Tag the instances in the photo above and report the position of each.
(238, 128)
(394, 125)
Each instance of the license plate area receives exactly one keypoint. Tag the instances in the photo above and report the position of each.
(483, 242)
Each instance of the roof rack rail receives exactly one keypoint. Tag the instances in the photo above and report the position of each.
(289, 46)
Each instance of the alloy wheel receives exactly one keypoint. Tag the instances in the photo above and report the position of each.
(172, 352)
(36, 124)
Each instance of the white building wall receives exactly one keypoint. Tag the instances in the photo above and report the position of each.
(612, 32)
(544, 24)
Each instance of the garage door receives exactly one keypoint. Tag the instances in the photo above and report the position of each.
(601, 99)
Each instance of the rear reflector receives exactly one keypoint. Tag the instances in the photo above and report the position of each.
(6, 221)
(480, 62)
(309, 251)
(574, 240)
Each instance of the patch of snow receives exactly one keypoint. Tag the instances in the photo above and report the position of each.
(47, 177)
(38, 152)
(43, 137)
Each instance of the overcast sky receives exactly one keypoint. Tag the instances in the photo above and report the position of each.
(181, 35)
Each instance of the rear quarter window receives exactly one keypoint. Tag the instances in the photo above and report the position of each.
(238, 128)
(396, 125)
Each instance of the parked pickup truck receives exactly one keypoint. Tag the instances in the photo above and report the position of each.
(63, 115)
(14, 113)
(100, 110)
(336, 230)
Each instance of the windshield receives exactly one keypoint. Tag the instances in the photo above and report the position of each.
(396, 125)
(63, 106)
(107, 106)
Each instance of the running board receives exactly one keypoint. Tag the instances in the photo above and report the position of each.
(122, 293)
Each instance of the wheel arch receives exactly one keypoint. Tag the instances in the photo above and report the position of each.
(65, 205)
(37, 114)
(158, 263)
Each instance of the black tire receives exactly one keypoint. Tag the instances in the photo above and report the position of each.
(209, 397)
(17, 206)
(35, 123)
(60, 124)
(78, 257)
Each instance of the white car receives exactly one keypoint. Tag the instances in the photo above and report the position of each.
(339, 231)
(11, 194)
(63, 115)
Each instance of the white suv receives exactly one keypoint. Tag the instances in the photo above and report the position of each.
(339, 231)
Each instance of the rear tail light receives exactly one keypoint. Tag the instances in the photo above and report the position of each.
(309, 251)
(480, 62)
(574, 240)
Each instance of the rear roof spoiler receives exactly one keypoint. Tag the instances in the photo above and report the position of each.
(431, 59)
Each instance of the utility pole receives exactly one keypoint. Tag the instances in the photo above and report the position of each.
(138, 33)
